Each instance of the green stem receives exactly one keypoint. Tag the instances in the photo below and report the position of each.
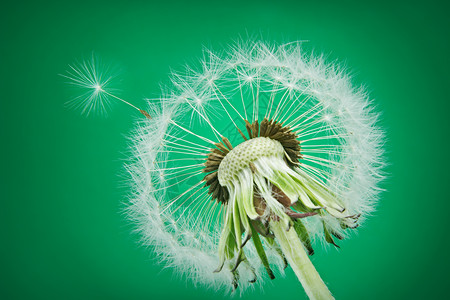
(298, 260)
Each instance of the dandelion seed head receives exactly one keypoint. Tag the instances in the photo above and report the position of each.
(327, 142)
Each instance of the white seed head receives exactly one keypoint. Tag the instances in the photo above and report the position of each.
(245, 153)
(341, 148)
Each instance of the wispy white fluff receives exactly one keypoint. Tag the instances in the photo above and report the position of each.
(93, 81)
(337, 127)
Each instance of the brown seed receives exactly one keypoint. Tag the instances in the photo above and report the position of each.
(220, 198)
(210, 168)
(213, 186)
(225, 195)
(279, 136)
(263, 127)
(276, 127)
(243, 136)
(210, 162)
(291, 152)
(259, 203)
(216, 192)
(218, 152)
(281, 196)
(255, 128)
(227, 143)
(291, 143)
(297, 215)
(222, 147)
(210, 178)
(248, 126)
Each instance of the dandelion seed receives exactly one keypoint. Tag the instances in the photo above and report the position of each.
(282, 151)
(94, 83)
(91, 82)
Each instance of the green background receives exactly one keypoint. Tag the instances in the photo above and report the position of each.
(63, 235)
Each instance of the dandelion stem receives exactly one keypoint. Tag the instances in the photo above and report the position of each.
(298, 260)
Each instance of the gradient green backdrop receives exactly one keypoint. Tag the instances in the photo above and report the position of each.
(63, 235)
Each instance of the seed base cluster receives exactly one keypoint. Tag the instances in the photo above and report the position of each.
(268, 135)
(244, 154)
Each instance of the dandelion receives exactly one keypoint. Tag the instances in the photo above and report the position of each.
(249, 159)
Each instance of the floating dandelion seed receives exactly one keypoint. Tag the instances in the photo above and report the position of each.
(249, 159)
(94, 81)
